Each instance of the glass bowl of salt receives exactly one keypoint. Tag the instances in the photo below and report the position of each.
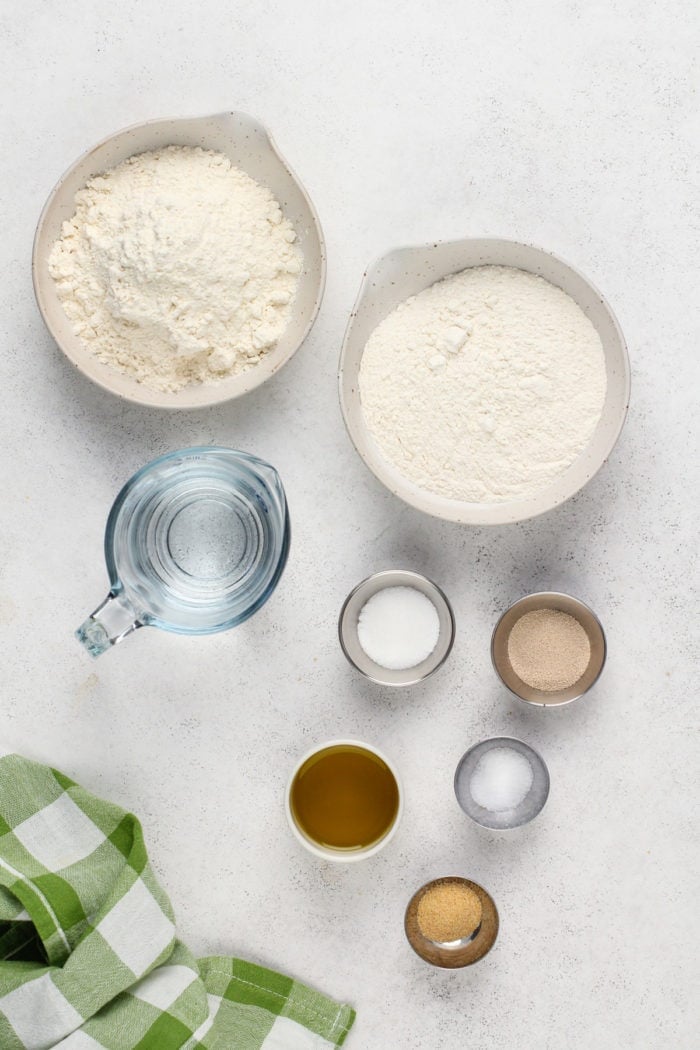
(396, 627)
(502, 783)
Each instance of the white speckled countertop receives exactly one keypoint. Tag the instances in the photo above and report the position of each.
(574, 126)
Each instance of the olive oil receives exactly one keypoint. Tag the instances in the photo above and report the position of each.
(344, 798)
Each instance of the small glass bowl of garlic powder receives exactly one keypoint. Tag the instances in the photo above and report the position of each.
(396, 627)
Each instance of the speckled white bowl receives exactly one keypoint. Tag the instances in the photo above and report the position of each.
(250, 147)
(407, 271)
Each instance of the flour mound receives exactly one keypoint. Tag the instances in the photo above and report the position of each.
(177, 268)
(485, 386)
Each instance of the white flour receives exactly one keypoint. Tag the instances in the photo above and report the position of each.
(485, 386)
(177, 267)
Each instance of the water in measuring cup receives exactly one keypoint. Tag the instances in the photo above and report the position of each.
(197, 540)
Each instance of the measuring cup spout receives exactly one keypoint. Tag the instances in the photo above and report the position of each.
(111, 621)
(269, 476)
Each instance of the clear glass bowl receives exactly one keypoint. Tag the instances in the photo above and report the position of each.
(350, 642)
(503, 820)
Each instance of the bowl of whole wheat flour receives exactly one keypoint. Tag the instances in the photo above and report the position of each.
(180, 263)
(482, 381)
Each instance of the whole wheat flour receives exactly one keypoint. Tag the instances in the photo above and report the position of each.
(177, 268)
(485, 386)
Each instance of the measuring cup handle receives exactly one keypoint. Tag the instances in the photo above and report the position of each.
(111, 622)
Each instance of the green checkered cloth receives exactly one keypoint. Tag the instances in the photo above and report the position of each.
(89, 959)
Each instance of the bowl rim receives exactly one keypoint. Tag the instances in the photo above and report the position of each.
(461, 511)
(217, 398)
(548, 594)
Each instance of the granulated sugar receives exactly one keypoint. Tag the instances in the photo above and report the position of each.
(398, 628)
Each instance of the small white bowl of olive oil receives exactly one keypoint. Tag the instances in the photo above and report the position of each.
(344, 800)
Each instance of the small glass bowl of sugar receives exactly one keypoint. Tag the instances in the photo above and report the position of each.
(502, 783)
(396, 627)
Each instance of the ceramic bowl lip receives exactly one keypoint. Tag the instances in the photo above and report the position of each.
(504, 741)
(548, 595)
(407, 575)
(217, 396)
(460, 511)
(339, 856)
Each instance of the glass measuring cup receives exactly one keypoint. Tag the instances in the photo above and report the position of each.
(195, 543)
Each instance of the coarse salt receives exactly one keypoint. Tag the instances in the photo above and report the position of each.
(501, 780)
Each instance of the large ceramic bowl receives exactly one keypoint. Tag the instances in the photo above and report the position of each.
(407, 271)
(249, 146)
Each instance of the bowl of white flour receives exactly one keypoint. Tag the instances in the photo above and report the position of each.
(180, 263)
(482, 381)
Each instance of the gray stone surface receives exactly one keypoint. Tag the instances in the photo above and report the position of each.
(571, 125)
